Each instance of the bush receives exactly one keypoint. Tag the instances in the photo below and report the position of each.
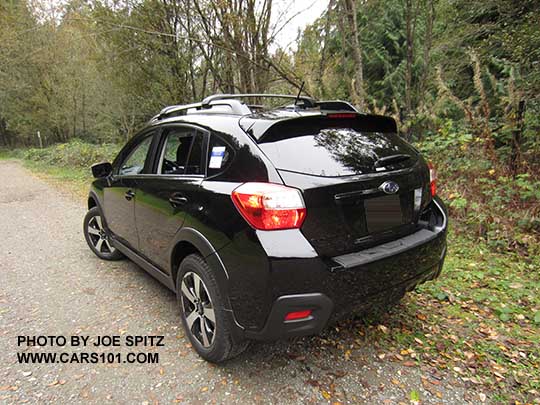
(485, 201)
(75, 154)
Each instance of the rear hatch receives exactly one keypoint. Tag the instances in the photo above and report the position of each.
(362, 184)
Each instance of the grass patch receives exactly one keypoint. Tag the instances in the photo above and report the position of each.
(480, 321)
(67, 165)
(75, 180)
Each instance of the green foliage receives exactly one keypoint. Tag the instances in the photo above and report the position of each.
(479, 321)
(484, 200)
(76, 154)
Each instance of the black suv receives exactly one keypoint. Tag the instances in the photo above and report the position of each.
(269, 222)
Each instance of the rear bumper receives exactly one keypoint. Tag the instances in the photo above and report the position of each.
(353, 283)
(277, 327)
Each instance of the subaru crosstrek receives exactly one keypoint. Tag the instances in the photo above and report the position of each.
(269, 222)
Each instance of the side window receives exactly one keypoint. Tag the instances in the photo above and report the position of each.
(134, 163)
(182, 152)
(220, 155)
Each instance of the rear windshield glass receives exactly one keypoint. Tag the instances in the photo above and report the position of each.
(335, 152)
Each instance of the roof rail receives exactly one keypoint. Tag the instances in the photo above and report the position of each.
(308, 101)
(239, 108)
(236, 106)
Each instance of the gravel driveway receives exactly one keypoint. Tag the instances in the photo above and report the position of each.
(51, 284)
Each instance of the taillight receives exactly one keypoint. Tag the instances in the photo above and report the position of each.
(432, 179)
(269, 206)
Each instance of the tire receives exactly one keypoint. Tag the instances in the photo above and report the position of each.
(98, 236)
(207, 325)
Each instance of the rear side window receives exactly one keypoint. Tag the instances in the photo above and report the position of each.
(220, 155)
(182, 152)
(334, 149)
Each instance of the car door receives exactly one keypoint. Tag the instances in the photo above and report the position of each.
(164, 199)
(119, 197)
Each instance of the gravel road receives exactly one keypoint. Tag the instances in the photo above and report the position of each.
(51, 284)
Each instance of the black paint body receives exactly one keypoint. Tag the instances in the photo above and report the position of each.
(264, 274)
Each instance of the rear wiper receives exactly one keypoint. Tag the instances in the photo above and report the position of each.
(391, 160)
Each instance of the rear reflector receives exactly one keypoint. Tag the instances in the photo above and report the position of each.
(269, 206)
(432, 179)
(294, 316)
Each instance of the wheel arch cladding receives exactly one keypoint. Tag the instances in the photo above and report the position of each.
(189, 241)
(92, 202)
(180, 251)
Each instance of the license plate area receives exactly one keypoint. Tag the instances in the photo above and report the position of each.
(383, 213)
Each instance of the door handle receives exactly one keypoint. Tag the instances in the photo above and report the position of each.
(177, 200)
(129, 195)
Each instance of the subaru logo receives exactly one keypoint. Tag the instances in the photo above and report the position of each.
(389, 187)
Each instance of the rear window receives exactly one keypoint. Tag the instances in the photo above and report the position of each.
(334, 152)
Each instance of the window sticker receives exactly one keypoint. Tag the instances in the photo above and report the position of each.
(216, 157)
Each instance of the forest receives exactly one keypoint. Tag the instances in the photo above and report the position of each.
(461, 78)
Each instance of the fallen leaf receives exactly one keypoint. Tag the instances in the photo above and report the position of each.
(326, 394)
(415, 397)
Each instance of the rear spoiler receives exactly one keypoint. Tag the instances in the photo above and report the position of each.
(272, 130)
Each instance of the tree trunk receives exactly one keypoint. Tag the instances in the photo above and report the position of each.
(410, 49)
(322, 60)
(356, 50)
(517, 135)
(428, 41)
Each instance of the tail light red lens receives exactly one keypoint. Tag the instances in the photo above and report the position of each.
(432, 179)
(269, 206)
(294, 316)
(342, 115)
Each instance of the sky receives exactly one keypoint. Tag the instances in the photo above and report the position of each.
(309, 11)
(302, 12)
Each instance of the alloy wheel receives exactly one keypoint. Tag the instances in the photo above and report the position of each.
(98, 236)
(198, 309)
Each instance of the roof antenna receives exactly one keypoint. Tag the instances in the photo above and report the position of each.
(298, 96)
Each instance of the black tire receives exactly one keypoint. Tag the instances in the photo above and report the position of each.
(98, 236)
(218, 344)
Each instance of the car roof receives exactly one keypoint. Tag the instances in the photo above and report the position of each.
(225, 113)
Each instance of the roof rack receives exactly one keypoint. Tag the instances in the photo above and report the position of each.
(237, 107)
(308, 101)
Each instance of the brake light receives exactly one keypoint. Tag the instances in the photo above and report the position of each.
(341, 115)
(293, 316)
(269, 206)
(432, 179)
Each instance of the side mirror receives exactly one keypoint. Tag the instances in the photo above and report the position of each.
(100, 170)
